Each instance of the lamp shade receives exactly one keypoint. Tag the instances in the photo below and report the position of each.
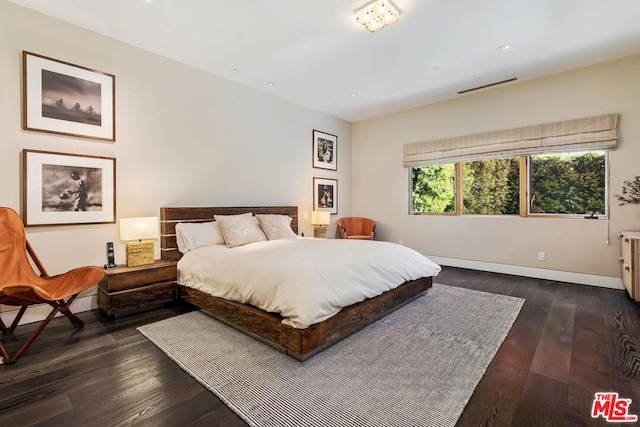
(139, 228)
(320, 218)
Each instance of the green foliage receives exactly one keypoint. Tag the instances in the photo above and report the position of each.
(512, 203)
(433, 188)
(491, 187)
(569, 184)
(630, 192)
(573, 184)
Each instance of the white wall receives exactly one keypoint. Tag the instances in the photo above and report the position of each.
(381, 184)
(183, 137)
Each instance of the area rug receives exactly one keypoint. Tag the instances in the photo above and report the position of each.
(416, 367)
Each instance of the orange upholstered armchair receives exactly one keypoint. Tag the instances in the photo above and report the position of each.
(356, 228)
(21, 286)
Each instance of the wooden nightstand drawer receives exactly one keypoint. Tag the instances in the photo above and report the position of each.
(134, 288)
(123, 277)
(136, 299)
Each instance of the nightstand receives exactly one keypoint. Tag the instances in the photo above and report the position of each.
(125, 289)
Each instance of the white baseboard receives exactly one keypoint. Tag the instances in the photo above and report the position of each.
(538, 273)
(37, 313)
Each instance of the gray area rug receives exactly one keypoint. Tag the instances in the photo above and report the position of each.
(416, 367)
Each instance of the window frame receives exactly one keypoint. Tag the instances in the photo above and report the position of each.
(524, 191)
(527, 205)
(457, 188)
(519, 158)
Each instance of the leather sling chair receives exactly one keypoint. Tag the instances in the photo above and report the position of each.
(21, 286)
(356, 228)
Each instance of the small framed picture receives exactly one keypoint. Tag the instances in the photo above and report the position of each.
(325, 150)
(67, 99)
(325, 195)
(65, 189)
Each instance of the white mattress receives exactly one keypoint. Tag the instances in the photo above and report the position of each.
(305, 280)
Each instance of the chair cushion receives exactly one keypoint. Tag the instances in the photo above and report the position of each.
(360, 237)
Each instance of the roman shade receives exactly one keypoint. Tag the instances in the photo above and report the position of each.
(591, 133)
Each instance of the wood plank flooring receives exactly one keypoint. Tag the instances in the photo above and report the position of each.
(568, 342)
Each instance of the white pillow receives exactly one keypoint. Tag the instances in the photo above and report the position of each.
(238, 230)
(193, 235)
(276, 226)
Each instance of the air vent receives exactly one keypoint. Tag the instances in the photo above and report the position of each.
(489, 85)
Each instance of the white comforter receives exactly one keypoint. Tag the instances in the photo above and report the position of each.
(305, 280)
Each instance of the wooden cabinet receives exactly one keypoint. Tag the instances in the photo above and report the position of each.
(630, 262)
(125, 289)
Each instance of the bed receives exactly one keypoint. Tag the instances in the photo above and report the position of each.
(299, 342)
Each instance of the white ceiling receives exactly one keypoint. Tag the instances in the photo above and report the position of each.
(317, 55)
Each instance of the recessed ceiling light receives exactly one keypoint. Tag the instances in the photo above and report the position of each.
(438, 68)
(504, 47)
(271, 84)
(353, 95)
(233, 69)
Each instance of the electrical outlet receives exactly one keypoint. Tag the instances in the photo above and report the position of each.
(542, 256)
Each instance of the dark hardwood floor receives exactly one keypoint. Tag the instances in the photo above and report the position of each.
(568, 342)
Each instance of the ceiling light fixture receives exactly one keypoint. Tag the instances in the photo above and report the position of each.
(504, 47)
(377, 15)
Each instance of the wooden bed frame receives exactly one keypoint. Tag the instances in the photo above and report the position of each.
(298, 343)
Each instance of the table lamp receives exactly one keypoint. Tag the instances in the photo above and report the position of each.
(133, 231)
(320, 220)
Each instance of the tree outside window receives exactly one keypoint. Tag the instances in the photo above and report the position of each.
(571, 184)
(568, 184)
(433, 189)
(491, 187)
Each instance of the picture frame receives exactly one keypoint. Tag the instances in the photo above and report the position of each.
(67, 99)
(325, 150)
(67, 189)
(325, 195)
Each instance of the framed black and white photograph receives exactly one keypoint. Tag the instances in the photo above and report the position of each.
(325, 150)
(67, 99)
(64, 189)
(325, 195)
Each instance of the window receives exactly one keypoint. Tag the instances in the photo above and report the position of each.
(491, 187)
(567, 184)
(433, 189)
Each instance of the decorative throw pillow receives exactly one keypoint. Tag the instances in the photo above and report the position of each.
(238, 230)
(193, 235)
(276, 226)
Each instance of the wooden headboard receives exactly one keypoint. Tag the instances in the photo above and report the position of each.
(170, 216)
